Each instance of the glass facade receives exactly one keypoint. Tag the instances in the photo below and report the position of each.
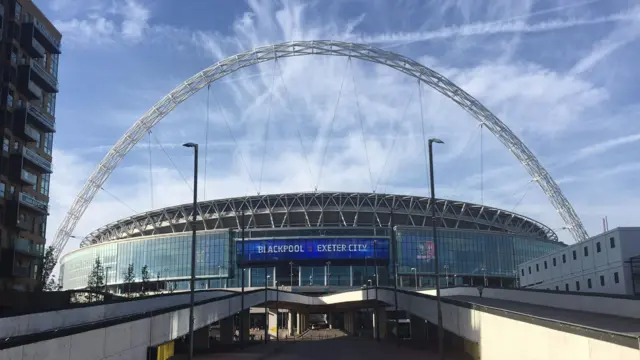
(469, 257)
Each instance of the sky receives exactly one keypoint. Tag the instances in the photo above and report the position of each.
(560, 74)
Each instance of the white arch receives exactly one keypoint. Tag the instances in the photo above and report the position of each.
(322, 47)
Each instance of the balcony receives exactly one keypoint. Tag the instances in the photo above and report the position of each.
(36, 117)
(33, 203)
(21, 271)
(36, 160)
(32, 46)
(33, 28)
(27, 247)
(41, 77)
(23, 130)
(28, 178)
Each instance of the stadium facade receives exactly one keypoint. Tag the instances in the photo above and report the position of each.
(313, 240)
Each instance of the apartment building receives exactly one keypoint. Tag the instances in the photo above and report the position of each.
(28, 71)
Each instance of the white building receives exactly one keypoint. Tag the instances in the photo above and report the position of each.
(600, 265)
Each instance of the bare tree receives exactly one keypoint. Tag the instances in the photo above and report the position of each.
(129, 278)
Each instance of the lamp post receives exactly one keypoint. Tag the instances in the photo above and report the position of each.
(435, 247)
(242, 273)
(291, 274)
(106, 278)
(484, 275)
(193, 244)
(415, 276)
(275, 285)
(266, 308)
(329, 273)
(446, 274)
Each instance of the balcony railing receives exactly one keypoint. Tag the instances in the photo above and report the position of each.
(31, 132)
(39, 48)
(31, 201)
(28, 177)
(28, 247)
(35, 90)
(37, 159)
(43, 73)
(21, 272)
(43, 29)
(45, 119)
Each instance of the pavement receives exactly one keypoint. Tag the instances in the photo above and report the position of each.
(339, 348)
(610, 323)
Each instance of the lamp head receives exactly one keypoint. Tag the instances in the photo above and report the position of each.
(190, 145)
(436, 140)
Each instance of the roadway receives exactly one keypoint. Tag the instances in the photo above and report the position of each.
(604, 322)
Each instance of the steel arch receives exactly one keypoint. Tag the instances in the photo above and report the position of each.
(319, 47)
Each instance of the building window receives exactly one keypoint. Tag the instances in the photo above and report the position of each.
(51, 104)
(48, 143)
(566, 287)
(575, 255)
(5, 144)
(589, 283)
(9, 100)
(2, 188)
(601, 280)
(545, 264)
(18, 11)
(522, 271)
(53, 65)
(44, 184)
(616, 278)
(598, 249)
(14, 58)
(564, 258)
(577, 285)
(586, 251)
(612, 242)
(554, 261)
(529, 270)
(43, 229)
(537, 267)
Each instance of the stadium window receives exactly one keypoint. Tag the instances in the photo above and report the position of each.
(545, 264)
(522, 271)
(586, 251)
(566, 287)
(598, 249)
(601, 280)
(612, 242)
(575, 255)
(537, 267)
(564, 258)
(589, 283)
(554, 261)
(577, 285)
(616, 278)
(529, 270)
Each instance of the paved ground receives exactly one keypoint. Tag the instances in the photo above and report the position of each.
(342, 348)
(598, 321)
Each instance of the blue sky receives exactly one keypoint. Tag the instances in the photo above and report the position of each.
(562, 75)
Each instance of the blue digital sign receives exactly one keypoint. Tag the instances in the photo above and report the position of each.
(313, 249)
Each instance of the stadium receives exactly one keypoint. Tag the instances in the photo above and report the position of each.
(312, 241)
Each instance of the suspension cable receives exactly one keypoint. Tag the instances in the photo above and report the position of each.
(266, 130)
(226, 122)
(396, 131)
(481, 166)
(150, 171)
(333, 119)
(171, 160)
(424, 137)
(527, 188)
(118, 200)
(360, 117)
(288, 98)
(206, 145)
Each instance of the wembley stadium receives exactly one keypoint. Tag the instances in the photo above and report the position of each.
(318, 239)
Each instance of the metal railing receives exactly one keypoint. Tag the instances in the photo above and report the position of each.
(43, 29)
(35, 89)
(31, 132)
(37, 159)
(39, 48)
(28, 177)
(41, 116)
(35, 65)
(33, 202)
(27, 246)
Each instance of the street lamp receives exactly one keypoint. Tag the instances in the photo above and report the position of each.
(275, 285)
(266, 308)
(415, 276)
(193, 244)
(484, 275)
(291, 274)
(435, 247)
(329, 273)
(446, 274)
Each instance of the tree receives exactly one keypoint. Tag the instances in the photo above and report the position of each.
(129, 278)
(95, 282)
(48, 263)
(52, 284)
(145, 281)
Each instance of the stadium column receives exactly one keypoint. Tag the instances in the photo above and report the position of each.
(226, 330)
(201, 338)
(418, 331)
(381, 314)
(245, 319)
(290, 323)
